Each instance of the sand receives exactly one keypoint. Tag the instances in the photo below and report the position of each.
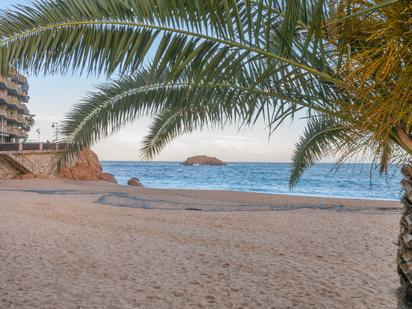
(67, 244)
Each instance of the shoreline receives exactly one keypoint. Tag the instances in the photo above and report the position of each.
(275, 194)
(119, 195)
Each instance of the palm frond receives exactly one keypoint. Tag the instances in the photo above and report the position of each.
(150, 92)
(107, 35)
(323, 136)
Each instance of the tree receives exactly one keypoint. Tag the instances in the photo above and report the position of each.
(193, 63)
(30, 121)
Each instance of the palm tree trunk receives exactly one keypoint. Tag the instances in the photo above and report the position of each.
(404, 258)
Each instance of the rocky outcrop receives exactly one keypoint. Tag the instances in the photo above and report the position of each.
(107, 177)
(86, 167)
(135, 182)
(203, 160)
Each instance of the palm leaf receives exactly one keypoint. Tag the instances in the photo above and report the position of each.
(322, 136)
(150, 92)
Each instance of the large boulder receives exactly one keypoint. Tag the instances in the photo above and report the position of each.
(135, 182)
(107, 177)
(86, 167)
(203, 160)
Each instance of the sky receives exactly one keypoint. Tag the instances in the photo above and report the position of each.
(51, 97)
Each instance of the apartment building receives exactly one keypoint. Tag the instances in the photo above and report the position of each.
(14, 114)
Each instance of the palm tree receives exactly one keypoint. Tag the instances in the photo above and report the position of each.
(194, 63)
(30, 121)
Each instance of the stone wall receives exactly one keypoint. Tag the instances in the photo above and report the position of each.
(44, 162)
(7, 171)
(86, 167)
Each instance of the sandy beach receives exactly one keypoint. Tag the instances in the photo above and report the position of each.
(66, 244)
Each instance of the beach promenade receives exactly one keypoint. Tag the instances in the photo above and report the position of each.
(67, 244)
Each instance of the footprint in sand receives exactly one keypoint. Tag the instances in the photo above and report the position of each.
(210, 299)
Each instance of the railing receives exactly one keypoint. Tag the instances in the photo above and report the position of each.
(18, 78)
(15, 132)
(18, 118)
(50, 146)
(4, 96)
(9, 147)
(4, 113)
(11, 130)
(25, 87)
(23, 121)
(3, 80)
(12, 117)
(31, 146)
(24, 98)
(23, 162)
(16, 87)
(23, 108)
(14, 102)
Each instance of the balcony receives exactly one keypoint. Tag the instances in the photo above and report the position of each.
(15, 132)
(14, 103)
(3, 82)
(18, 78)
(14, 118)
(23, 121)
(24, 98)
(15, 78)
(23, 108)
(14, 89)
(3, 98)
(25, 87)
(3, 113)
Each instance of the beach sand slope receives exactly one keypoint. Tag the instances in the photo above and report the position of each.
(67, 244)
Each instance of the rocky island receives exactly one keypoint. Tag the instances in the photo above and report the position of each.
(203, 160)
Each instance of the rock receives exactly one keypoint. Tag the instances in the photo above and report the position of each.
(107, 177)
(134, 182)
(203, 160)
(86, 167)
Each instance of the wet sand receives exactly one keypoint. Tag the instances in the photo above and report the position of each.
(66, 244)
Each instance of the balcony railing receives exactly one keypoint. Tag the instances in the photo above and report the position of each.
(18, 78)
(14, 102)
(23, 121)
(15, 132)
(3, 81)
(17, 118)
(4, 97)
(25, 87)
(9, 147)
(13, 117)
(15, 88)
(3, 113)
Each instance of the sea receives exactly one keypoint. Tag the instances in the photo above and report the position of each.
(322, 180)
